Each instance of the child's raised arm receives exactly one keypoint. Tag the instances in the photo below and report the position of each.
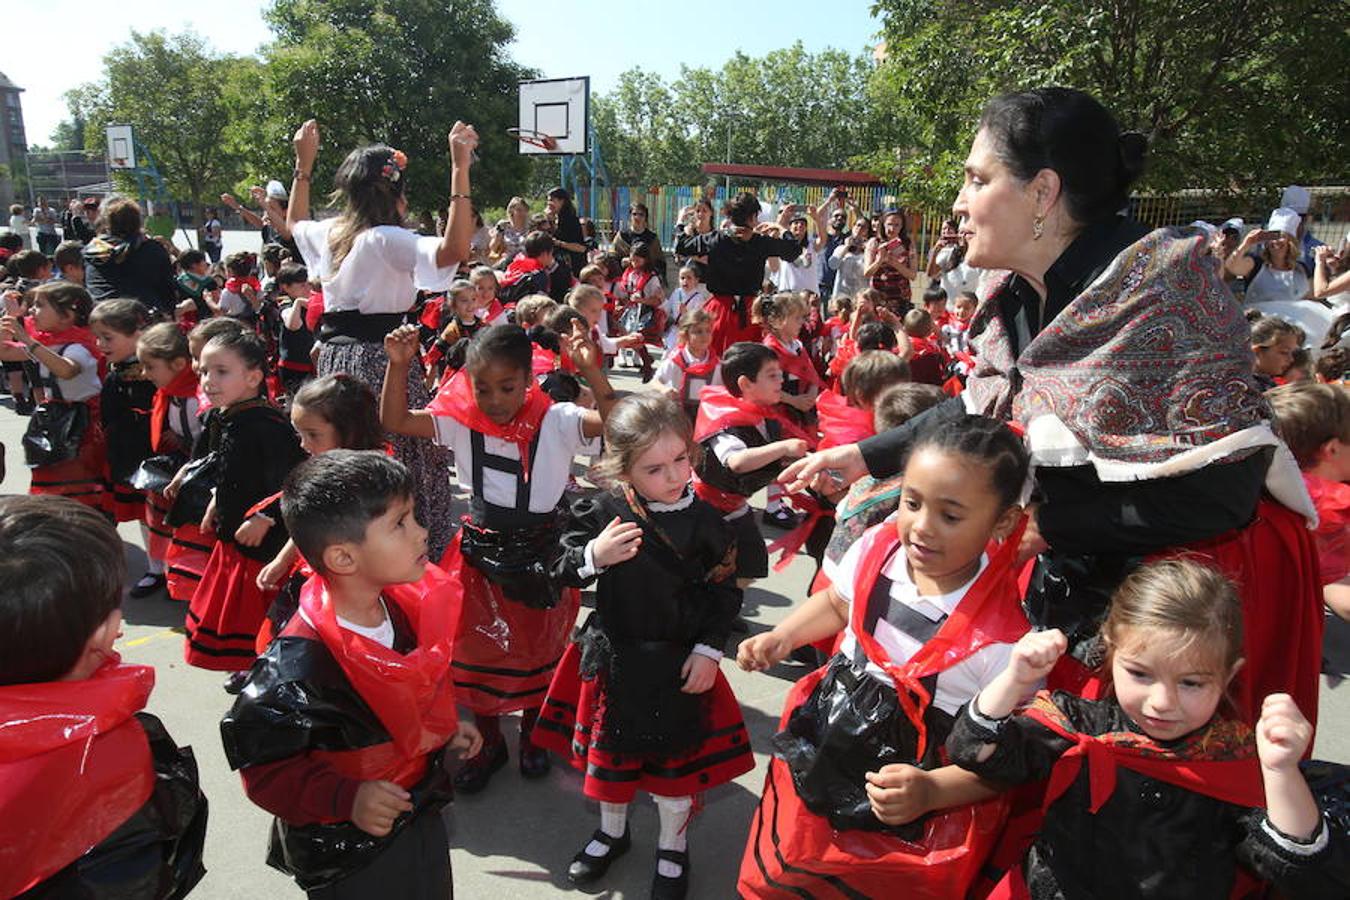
(823, 615)
(401, 347)
(1282, 737)
(587, 357)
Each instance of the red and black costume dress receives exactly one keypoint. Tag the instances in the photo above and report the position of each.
(326, 709)
(695, 375)
(720, 412)
(125, 403)
(735, 277)
(81, 477)
(927, 361)
(615, 708)
(96, 799)
(1127, 816)
(799, 373)
(256, 448)
(814, 833)
(174, 426)
(517, 616)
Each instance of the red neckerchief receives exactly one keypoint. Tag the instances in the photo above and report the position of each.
(718, 410)
(841, 423)
(834, 325)
(494, 311)
(235, 285)
(924, 346)
(75, 334)
(543, 361)
(635, 281)
(690, 368)
(797, 365)
(184, 385)
(1217, 761)
(455, 399)
(413, 694)
(843, 355)
(431, 312)
(520, 267)
(74, 766)
(989, 613)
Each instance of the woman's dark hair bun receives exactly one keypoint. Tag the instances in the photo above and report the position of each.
(1133, 156)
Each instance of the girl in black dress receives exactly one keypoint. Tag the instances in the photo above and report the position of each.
(638, 701)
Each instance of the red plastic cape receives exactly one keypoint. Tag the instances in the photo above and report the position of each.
(74, 765)
(413, 695)
(76, 334)
(431, 312)
(520, 267)
(840, 423)
(235, 284)
(455, 399)
(184, 385)
(718, 410)
(791, 542)
(1218, 761)
(1332, 501)
(544, 361)
(798, 364)
(990, 613)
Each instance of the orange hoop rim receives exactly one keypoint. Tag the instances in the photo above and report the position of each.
(534, 138)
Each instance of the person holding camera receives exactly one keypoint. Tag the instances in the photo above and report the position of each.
(947, 262)
(835, 236)
(889, 262)
(846, 261)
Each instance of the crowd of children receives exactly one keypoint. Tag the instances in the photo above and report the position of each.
(287, 442)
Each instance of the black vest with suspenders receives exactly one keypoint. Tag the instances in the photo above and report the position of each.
(742, 484)
(513, 547)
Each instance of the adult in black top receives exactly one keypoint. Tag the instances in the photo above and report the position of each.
(639, 231)
(1060, 170)
(735, 272)
(568, 240)
(121, 261)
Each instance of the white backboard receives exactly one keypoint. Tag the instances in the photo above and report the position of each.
(559, 107)
(121, 147)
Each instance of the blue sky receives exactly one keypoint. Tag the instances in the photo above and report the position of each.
(594, 37)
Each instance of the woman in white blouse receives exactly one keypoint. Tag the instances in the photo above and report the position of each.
(369, 265)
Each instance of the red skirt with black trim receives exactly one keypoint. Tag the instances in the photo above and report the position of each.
(729, 325)
(120, 500)
(226, 611)
(792, 852)
(505, 652)
(81, 478)
(570, 726)
(185, 560)
(159, 536)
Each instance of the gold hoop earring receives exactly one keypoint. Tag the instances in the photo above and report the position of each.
(1037, 228)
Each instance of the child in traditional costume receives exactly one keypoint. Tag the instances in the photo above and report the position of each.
(859, 799)
(691, 366)
(96, 799)
(343, 729)
(638, 700)
(513, 450)
(1154, 791)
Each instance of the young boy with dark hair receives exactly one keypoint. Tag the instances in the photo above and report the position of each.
(343, 728)
(68, 260)
(529, 272)
(293, 338)
(96, 800)
(747, 441)
(31, 267)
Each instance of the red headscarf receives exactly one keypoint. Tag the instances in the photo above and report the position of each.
(455, 399)
(184, 384)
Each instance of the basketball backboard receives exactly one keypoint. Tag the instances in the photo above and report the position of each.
(121, 147)
(560, 108)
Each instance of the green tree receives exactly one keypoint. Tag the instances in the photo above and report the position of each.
(69, 133)
(180, 95)
(1238, 95)
(394, 71)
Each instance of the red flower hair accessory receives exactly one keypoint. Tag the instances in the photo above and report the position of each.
(393, 169)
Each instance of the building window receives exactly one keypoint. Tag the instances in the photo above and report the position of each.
(12, 99)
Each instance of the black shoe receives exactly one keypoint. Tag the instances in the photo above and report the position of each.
(534, 762)
(782, 517)
(586, 868)
(150, 583)
(25, 405)
(234, 685)
(475, 774)
(664, 888)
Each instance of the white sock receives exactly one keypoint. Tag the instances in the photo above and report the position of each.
(613, 822)
(673, 813)
(774, 501)
(152, 566)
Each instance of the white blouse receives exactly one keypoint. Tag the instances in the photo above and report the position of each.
(377, 276)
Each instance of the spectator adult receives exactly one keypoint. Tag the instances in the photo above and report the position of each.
(802, 275)
(1331, 277)
(736, 256)
(847, 260)
(1269, 260)
(510, 235)
(213, 235)
(568, 240)
(45, 219)
(271, 220)
(1299, 199)
(889, 262)
(947, 262)
(79, 225)
(700, 215)
(1046, 178)
(18, 223)
(836, 235)
(639, 229)
(121, 261)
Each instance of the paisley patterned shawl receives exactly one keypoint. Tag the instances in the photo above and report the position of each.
(1150, 361)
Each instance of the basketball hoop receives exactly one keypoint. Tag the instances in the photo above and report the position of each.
(546, 142)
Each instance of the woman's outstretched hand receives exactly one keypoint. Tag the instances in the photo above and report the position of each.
(306, 143)
(825, 471)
